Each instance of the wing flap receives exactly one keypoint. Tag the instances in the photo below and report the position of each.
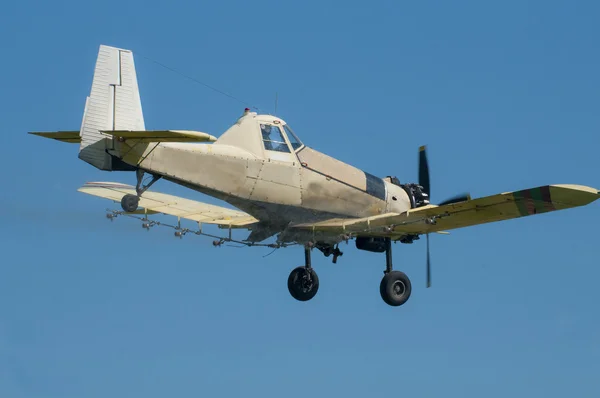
(427, 219)
(162, 135)
(172, 205)
(71, 137)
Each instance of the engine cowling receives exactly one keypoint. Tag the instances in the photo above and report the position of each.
(417, 195)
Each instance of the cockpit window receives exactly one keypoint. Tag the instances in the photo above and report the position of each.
(292, 137)
(273, 139)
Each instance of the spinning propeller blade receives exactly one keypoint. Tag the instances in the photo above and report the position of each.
(424, 171)
(425, 183)
(428, 264)
(458, 198)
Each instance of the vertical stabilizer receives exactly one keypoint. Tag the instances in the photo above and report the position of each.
(113, 104)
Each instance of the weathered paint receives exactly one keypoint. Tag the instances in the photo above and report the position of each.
(236, 173)
(278, 182)
(533, 201)
(334, 169)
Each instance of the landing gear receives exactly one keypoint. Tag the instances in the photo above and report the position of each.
(303, 282)
(129, 202)
(395, 287)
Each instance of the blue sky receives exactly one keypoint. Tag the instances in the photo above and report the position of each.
(506, 95)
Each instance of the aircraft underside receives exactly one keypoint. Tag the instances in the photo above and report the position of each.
(303, 281)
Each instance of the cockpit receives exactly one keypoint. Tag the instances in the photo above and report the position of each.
(279, 137)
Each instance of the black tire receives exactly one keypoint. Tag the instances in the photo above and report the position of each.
(129, 203)
(395, 288)
(300, 286)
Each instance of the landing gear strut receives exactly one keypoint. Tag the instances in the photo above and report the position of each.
(129, 202)
(395, 286)
(303, 282)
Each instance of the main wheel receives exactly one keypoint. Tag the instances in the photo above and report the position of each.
(303, 284)
(395, 288)
(129, 203)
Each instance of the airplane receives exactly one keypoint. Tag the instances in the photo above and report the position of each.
(279, 186)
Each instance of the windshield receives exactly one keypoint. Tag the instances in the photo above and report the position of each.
(296, 143)
(273, 139)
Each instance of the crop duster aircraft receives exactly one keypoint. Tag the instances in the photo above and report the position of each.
(281, 186)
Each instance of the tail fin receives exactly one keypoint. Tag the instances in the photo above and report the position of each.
(113, 104)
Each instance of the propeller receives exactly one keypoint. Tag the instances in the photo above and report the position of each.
(428, 264)
(455, 199)
(425, 183)
(424, 171)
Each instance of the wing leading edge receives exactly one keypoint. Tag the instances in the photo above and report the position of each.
(156, 202)
(428, 219)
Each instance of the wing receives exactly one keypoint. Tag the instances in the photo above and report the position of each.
(71, 137)
(156, 202)
(162, 135)
(504, 206)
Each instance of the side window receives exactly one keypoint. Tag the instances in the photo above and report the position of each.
(273, 139)
(292, 137)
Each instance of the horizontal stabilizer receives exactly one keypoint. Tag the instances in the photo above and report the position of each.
(162, 135)
(156, 202)
(71, 137)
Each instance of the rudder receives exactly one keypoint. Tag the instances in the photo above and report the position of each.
(113, 104)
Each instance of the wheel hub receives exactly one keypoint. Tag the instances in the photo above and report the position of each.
(306, 282)
(399, 288)
(303, 283)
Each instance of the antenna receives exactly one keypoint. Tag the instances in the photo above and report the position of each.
(198, 81)
(276, 103)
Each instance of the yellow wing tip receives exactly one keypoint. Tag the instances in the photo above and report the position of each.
(573, 195)
(422, 148)
(575, 187)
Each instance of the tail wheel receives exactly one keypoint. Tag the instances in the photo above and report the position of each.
(395, 288)
(303, 283)
(129, 203)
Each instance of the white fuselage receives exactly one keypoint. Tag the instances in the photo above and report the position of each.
(275, 190)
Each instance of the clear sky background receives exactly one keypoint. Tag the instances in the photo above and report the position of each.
(506, 95)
